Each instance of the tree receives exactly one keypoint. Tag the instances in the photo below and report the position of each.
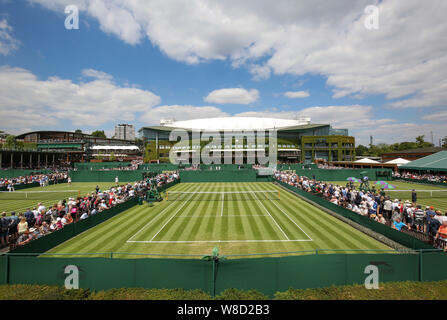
(12, 143)
(78, 131)
(99, 134)
(361, 150)
(420, 140)
(112, 156)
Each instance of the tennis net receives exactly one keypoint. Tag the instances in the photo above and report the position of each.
(421, 194)
(39, 195)
(223, 196)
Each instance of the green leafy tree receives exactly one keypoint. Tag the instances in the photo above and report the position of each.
(361, 150)
(12, 143)
(99, 134)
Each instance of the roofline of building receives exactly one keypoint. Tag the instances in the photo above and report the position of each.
(22, 136)
(291, 128)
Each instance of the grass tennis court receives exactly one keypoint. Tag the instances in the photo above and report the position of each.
(19, 202)
(245, 224)
(437, 198)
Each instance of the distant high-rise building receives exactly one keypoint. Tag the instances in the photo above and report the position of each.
(125, 132)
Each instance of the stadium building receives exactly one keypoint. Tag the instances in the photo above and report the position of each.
(298, 140)
(80, 147)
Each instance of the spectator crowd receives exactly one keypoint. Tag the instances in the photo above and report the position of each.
(431, 177)
(42, 179)
(36, 222)
(398, 214)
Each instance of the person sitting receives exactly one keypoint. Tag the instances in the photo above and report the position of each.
(22, 227)
(398, 225)
(442, 235)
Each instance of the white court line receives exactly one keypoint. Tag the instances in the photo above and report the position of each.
(184, 203)
(151, 221)
(229, 215)
(273, 219)
(223, 203)
(213, 241)
(292, 220)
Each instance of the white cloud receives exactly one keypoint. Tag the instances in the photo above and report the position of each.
(233, 96)
(297, 94)
(350, 117)
(91, 73)
(181, 112)
(32, 103)
(405, 59)
(436, 117)
(7, 42)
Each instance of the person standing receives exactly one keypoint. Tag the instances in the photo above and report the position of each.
(414, 196)
(4, 229)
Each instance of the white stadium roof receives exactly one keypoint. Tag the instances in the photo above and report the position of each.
(115, 148)
(235, 123)
(366, 160)
(398, 161)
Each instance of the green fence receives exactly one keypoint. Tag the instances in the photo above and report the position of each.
(14, 173)
(167, 185)
(400, 237)
(106, 176)
(31, 185)
(432, 183)
(100, 165)
(267, 275)
(160, 167)
(337, 174)
(57, 237)
(245, 175)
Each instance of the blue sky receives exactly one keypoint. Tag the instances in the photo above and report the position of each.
(142, 61)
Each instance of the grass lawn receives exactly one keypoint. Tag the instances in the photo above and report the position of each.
(242, 226)
(436, 199)
(21, 204)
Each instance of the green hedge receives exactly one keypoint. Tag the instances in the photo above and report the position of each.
(387, 291)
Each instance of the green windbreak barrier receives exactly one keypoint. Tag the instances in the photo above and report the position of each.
(219, 176)
(433, 266)
(400, 237)
(269, 275)
(104, 274)
(100, 165)
(57, 237)
(230, 167)
(168, 185)
(160, 167)
(433, 183)
(30, 185)
(15, 173)
(339, 174)
(106, 176)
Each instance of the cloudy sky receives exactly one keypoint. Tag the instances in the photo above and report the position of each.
(139, 61)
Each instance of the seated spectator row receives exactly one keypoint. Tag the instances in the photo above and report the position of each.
(19, 229)
(398, 214)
